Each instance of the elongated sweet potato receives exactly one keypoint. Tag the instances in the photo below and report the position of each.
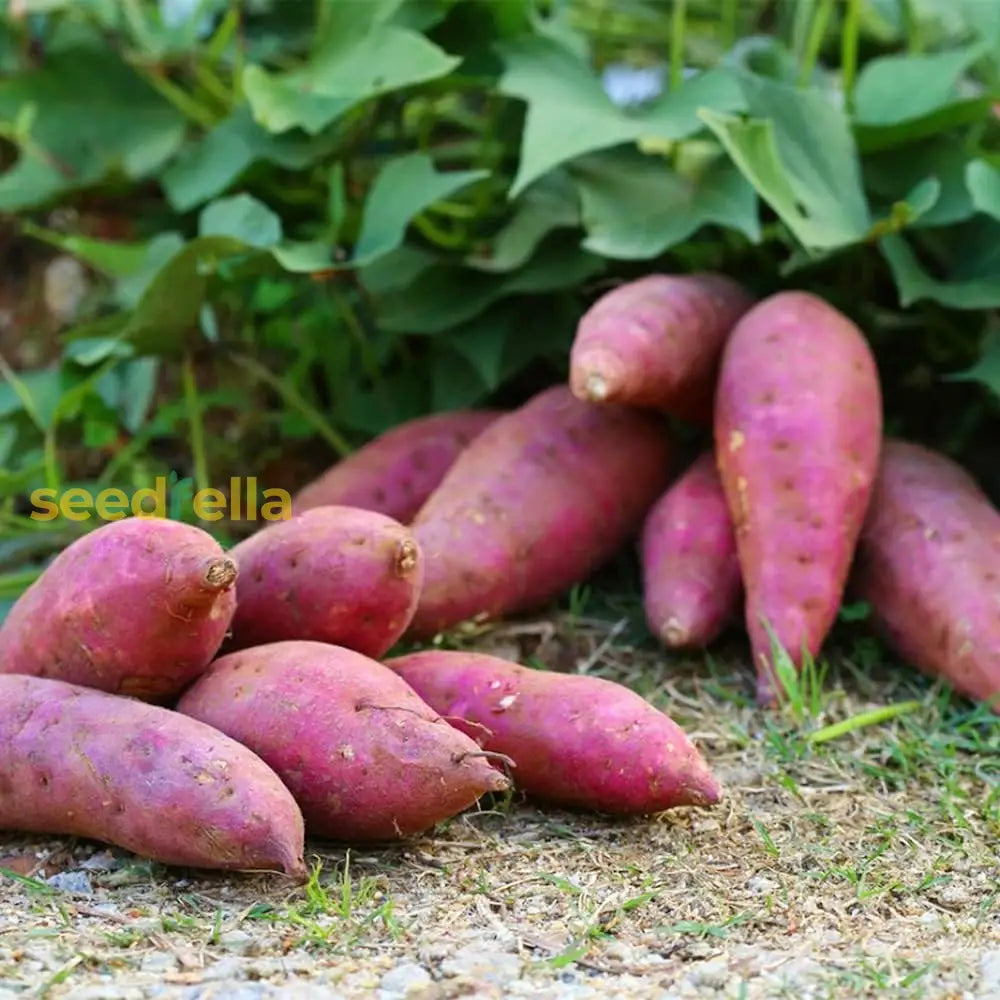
(136, 607)
(341, 575)
(544, 496)
(575, 740)
(395, 473)
(657, 342)
(691, 571)
(365, 758)
(798, 432)
(80, 762)
(928, 565)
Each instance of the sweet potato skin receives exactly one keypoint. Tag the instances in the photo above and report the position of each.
(136, 607)
(928, 565)
(577, 741)
(690, 568)
(397, 471)
(365, 758)
(341, 575)
(657, 342)
(798, 430)
(537, 502)
(76, 761)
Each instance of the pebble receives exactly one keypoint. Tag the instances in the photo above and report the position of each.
(66, 286)
(989, 974)
(73, 881)
(237, 940)
(157, 962)
(712, 975)
(399, 983)
(496, 968)
(224, 968)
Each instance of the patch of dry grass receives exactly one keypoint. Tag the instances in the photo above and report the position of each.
(860, 865)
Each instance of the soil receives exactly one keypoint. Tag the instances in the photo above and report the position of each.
(861, 866)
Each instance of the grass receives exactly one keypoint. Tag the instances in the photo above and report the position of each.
(858, 858)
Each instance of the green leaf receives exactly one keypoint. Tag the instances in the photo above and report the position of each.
(983, 182)
(798, 152)
(986, 370)
(304, 257)
(569, 113)
(895, 89)
(445, 295)
(92, 116)
(889, 174)
(241, 217)
(549, 203)
(115, 259)
(980, 291)
(636, 207)
(166, 314)
(206, 168)
(403, 188)
(357, 55)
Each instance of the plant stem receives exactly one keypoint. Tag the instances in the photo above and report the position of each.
(678, 20)
(861, 720)
(729, 25)
(814, 42)
(291, 396)
(196, 426)
(849, 52)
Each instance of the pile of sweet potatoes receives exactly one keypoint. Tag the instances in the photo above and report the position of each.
(215, 708)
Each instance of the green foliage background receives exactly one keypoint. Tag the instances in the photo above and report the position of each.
(370, 209)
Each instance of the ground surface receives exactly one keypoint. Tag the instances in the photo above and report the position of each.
(864, 865)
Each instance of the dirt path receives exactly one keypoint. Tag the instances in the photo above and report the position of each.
(865, 866)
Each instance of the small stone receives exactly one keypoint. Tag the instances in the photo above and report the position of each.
(76, 882)
(989, 972)
(66, 286)
(238, 941)
(158, 961)
(405, 979)
(712, 975)
(224, 968)
(761, 885)
(496, 968)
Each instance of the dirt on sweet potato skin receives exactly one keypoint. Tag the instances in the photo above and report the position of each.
(335, 574)
(136, 607)
(364, 756)
(78, 761)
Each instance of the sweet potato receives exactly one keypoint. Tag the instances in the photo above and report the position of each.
(575, 740)
(396, 472)
(364, 757)
(657, 342)
(928, 565)
(798, 431)
(135, 607)
(76, 761)
(690, 569)
(341, 575)
(544, 496)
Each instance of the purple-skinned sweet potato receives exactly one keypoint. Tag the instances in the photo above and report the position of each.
(798, 432)
(397, 471)
(76, 761)
(657, 342)
(341, 575)
(137, 607)
(928, 565)
(364, 756)
(543, 497)
(690, 568)
(575, 740)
